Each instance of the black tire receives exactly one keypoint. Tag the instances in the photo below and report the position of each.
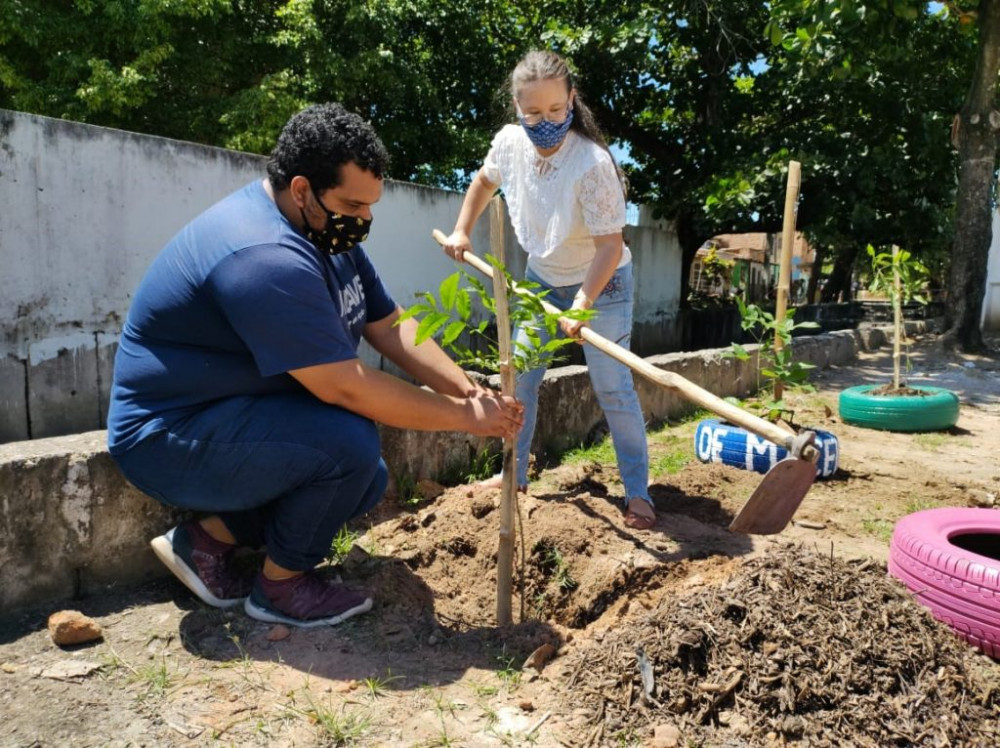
(934, 411)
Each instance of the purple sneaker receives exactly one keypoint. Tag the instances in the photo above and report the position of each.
(203, 564)
(305, 601)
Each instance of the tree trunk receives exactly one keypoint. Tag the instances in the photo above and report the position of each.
(817, 270)
(977, 127)
(690, 242)
(839, 282)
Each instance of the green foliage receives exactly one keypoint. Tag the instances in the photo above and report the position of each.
(913, 275)
(776, 365)
(342, 543)
(449, 317)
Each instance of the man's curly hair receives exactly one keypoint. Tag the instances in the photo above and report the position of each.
(318, 141)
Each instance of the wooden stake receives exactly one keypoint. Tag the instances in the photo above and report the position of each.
(785, 270)
(897, 316)
(508, 493)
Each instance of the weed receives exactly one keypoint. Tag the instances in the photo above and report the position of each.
(509, 675)
(931, 441)
(407, 492)
(342, 543)
(343, 728)
(156, 678)
(880, 528)
(552, 562)
(483, 690)
(484, 465)
(918, 504)
(377, 686)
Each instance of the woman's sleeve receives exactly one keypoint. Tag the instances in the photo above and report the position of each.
(492, 164)
(602, 199)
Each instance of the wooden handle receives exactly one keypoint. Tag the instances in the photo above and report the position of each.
(691, 391)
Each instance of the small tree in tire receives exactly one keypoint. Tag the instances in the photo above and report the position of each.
(903, 278)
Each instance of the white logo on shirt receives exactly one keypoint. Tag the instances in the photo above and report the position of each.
(351, 297)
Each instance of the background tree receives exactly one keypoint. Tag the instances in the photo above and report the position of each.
(710, 98)
(888, 30)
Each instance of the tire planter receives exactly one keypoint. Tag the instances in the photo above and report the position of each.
(718, 441)
(950, 560)
(932, 412)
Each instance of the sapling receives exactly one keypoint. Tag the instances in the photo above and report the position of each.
(450, 313)
(777, 363)
(903, 278)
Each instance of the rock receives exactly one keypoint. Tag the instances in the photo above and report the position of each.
(67, 670)
(537, 659)
(666, 736)
(72, 627)
(278, 633)
(740, 726)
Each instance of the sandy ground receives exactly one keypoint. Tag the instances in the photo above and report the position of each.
(427, 667)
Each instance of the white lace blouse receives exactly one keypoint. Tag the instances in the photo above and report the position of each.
(558, 203)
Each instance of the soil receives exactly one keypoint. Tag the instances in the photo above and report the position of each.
(686, 634)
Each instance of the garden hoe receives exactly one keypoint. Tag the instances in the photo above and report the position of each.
(771, 506)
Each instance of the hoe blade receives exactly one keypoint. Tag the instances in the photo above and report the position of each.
(772, 505)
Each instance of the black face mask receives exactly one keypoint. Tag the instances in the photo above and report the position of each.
(340, 234)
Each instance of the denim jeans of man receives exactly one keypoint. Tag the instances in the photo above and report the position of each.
(612, 381)
(286, 471)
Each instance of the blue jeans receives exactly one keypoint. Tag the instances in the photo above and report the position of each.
(612, 381)
(286, 471)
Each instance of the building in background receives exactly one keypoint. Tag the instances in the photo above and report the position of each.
(747, 266)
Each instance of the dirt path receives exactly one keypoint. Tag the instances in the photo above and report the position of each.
(426, 667)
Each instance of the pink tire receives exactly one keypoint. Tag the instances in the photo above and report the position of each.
(950, 560)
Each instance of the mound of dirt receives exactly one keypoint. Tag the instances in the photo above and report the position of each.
(797, 646)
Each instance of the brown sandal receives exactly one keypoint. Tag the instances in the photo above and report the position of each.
(640, 514)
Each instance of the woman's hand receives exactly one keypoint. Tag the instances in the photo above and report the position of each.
(456, 245)
(571, 327)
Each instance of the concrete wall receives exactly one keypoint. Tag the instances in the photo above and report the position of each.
(85, 210)
(70, 525)
(991, 301)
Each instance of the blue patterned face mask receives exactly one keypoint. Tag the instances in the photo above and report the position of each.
(547, 134)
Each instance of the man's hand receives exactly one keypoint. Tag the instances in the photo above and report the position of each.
(494, 415)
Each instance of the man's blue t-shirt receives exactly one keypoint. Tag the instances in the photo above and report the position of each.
(237, 299)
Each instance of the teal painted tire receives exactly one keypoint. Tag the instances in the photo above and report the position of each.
(934, 411)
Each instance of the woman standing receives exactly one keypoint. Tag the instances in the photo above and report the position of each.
(567, 205)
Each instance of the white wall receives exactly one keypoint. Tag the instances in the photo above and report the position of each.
(83, 211)
(991, 301)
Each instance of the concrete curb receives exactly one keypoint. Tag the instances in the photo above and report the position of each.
(71, 525)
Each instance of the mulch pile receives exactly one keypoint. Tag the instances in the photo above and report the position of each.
(797, 647)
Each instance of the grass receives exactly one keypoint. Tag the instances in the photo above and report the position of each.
(341, 545)
(407, 492)
(377, 686)
(509, 675)
(554, 560)
(880, 528)
(602, 451)
(339, 728)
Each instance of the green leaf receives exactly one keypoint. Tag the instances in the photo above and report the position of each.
(448, 290)
(452, 331)
(430, 325)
